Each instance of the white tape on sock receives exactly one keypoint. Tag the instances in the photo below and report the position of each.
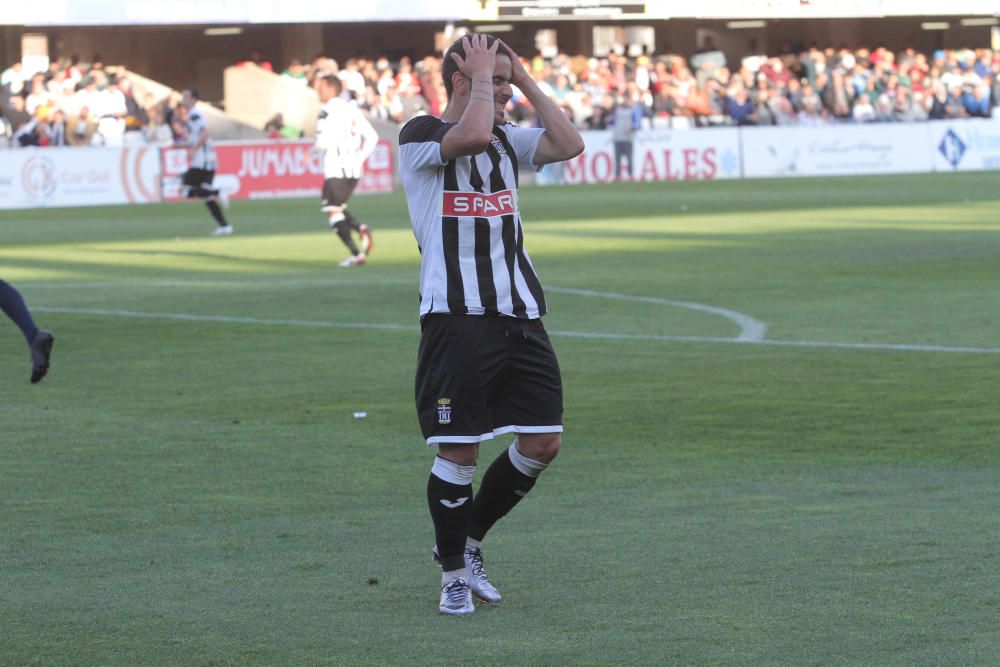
(524, 465)
(451, 472)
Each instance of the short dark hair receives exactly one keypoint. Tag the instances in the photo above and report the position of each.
(333, 80)
(193, 92)
(449, 66)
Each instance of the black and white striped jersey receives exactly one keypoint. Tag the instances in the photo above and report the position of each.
(204, 157)
(346, 138)
(466, 219)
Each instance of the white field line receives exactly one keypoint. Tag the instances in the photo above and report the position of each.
(211, 283)
(189, 317)
(751, 329)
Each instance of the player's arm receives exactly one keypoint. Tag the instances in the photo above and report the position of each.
(319, 144)
(369, 137)
(561, 140)
(199, 141)
(202, 138)
(473, 132)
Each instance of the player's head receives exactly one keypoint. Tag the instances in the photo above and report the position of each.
(328, 86)
(457, 84)
(189, 97)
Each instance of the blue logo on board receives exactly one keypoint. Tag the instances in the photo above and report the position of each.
(952, 148)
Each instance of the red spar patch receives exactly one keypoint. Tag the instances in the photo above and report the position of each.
(478, 205)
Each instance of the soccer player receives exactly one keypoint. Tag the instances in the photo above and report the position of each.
(485, 364)
(346, 139)
(39, 341)
(197, 180)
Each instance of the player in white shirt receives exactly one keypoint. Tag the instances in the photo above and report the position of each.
(346, 139)
(197, 180)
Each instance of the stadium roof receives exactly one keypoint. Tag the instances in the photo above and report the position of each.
(180, 12)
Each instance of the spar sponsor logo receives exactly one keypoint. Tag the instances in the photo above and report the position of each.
(262, 161)
(477, 204)
(38, 178)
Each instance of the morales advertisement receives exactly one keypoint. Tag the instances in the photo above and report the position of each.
(655, 155)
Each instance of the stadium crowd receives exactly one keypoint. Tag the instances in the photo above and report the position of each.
(812, 87)
(73, 103)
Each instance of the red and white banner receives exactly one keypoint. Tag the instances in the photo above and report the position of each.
(657, 155)
(272, 170)
(78, 176)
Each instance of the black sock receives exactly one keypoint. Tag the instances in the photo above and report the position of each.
(12, 304)
(503, 487)
(343, 230)
(213, 207)
(450, 505)
(352, 221)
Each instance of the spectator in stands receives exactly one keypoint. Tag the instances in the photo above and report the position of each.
(296, 73)
(55, 129)
(157, 131)
(258, 60)
(353, 80)
(600, 114)
(136, 117)
(739, 106)
(976, 100)
(17, 115)
(38, 94)
(111, 110)
(80, 128)
(277, 128)
(273, 127)
(864, 110)
(13, 75)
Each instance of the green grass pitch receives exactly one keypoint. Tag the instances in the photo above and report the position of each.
(782, 439)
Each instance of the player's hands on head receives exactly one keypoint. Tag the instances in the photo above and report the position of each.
(518, 73)
(479, 59)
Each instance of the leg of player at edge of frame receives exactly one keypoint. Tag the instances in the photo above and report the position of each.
(39, 341)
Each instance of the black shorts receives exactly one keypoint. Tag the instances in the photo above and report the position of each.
(336, 192)
(194, 178)
(479, 377)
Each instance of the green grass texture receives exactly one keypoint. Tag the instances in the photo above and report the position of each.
(781, 441)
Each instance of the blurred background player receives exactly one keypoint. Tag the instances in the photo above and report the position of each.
(201, 164)
(39, 341)
(347, 139)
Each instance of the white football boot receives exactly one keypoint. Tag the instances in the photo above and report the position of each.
(478, 582)
(353, 260)
(456, 598)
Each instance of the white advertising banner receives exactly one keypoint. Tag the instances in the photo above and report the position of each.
(78, 176)
(878, 148)
(965, 145)
(657, 155)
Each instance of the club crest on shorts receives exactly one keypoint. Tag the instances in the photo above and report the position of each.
(444, 410)
(497, 144)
